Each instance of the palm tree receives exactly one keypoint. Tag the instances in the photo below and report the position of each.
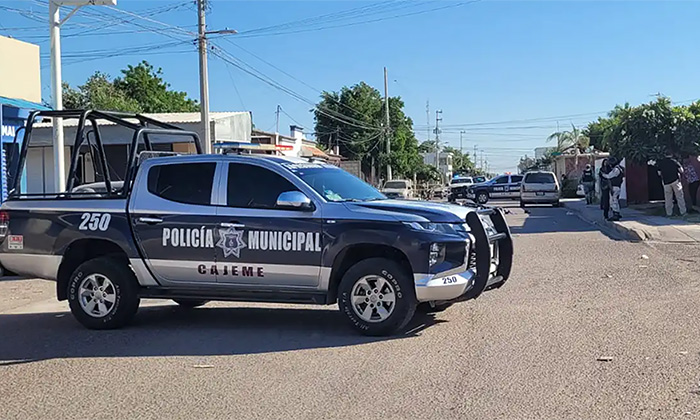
(568, 139)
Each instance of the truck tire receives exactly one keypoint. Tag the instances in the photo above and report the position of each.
(377, 296)
(190, 303)
(103, 294)
(482, 197)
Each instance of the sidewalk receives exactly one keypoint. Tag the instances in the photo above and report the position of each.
(638, 225)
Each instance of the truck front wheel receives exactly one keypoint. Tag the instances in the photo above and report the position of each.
(377, 296)
(103, 293)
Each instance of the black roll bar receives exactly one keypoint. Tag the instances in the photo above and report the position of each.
(145, 127)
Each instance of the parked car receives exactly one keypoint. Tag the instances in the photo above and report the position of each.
(458, 187)
(539, 187)
(502, 186)
(398, 188)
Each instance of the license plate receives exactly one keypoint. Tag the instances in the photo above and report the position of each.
(540, 194)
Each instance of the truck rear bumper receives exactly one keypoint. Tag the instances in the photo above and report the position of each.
(493, 248)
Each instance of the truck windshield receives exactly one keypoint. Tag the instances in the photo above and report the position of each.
(335, 184)
(395, 184)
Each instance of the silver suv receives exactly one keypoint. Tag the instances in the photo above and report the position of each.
(539, 187)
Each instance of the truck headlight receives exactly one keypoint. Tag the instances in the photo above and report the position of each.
(459, 229)
(435, 251)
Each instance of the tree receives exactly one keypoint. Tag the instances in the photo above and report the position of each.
(354, 119)
(648, 131)
(141, 89)
(526, 163)
(570, 139)
(461, 162)
(427, 146)
(145, 85)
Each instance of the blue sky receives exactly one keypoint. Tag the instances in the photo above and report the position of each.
(481, 62)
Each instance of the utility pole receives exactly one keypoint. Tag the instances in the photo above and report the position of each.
(461, 153)
(427, 117)
(387, 128)
(277, 125)
(203, 75)
(475, 158)
(59, 163)
(204, 70)
(437, 141)
(55, 23)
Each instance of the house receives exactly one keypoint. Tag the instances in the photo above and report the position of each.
(295, 144)
(442, 161)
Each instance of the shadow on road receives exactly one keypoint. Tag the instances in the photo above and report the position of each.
(173, 331)
(547, 219)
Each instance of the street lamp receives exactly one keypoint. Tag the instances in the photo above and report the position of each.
(55, 23)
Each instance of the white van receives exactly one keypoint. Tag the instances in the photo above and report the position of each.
(398, 188)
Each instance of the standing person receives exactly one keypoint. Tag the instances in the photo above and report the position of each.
(691, 175)
(588, 181)
(604, 188)
(615, 176)
(670, 171)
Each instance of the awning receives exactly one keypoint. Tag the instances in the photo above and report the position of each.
(314, 152)
(21, 103)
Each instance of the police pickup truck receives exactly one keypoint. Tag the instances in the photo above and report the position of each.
(503, 186)
(195, 228)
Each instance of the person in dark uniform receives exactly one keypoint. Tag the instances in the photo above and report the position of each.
(616, 176)
(604, 188)
(588, 181)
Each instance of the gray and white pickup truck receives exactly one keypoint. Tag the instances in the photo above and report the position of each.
(195, 228)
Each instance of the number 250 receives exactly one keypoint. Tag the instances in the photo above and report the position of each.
(95, 221)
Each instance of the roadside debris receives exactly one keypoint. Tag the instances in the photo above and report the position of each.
(683, 353)
(645, 257)
(607, 276)
(203, 366)
(604, 359)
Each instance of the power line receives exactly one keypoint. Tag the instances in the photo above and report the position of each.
(434, 9)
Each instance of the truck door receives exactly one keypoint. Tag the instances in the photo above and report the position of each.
(261, 244)
(500, 187)
(174, 221)
(514, 186)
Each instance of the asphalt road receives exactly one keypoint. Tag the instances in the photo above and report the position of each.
(527, 351)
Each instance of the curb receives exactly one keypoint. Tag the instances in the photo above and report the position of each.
(627, 232)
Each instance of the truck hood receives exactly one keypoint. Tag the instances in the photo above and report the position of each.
(414, 210)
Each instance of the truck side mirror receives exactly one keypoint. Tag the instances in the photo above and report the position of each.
(294, 200)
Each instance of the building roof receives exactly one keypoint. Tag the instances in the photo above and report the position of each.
(21, 103)
(166, 117)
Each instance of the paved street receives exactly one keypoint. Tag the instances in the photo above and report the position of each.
(529, 350)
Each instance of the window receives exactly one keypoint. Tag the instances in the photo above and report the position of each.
(501, 180)
(251, 186)
(539, 178)
(335, 184)
(516, 178)
(396, 184)
(188, 183)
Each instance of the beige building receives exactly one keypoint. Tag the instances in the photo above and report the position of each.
(21, 79)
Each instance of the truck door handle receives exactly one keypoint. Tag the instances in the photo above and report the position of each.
(231, 225)
(150, 220)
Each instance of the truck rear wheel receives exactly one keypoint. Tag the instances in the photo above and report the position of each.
(377, 296)
(103, 293)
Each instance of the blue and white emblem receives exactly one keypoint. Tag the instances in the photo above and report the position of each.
(231, 242)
